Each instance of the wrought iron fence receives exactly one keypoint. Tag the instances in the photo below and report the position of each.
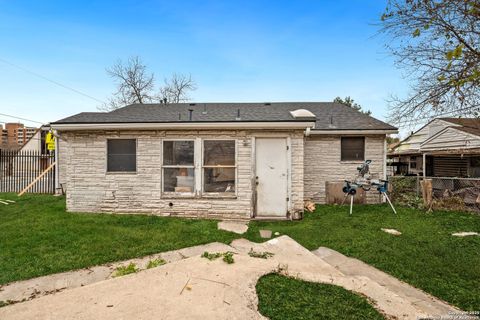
(19, 168)
(448, 192)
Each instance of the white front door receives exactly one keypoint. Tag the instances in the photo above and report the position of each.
(271, 177)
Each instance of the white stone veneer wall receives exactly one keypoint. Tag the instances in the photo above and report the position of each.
(82, 161)
(322, 164)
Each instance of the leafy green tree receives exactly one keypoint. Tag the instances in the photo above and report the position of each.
(391, 139)
(352, 104)
(437, 44)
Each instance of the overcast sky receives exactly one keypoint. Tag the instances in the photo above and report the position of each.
(236, 51)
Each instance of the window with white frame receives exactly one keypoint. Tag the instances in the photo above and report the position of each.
(219, 166)
(178, 166)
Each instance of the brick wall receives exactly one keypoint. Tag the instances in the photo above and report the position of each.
(322, 164)
(82, 164)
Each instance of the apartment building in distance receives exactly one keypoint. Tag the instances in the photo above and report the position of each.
(15, 135)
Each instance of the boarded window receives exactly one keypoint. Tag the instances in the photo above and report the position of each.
(178, 166)
(121, 155)
(353, 148)
(219, 166)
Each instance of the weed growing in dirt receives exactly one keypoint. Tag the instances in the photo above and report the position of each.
(124, 270)
(262, 255)
(155, 263)
(227, 256)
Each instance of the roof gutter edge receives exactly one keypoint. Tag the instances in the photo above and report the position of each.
(351, 131)
(186, 125)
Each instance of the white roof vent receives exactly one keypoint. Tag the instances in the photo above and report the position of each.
(302, 114)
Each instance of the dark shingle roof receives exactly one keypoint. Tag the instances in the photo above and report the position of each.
(329, 115)
(466, 122)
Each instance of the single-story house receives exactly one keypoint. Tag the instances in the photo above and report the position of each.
(229, 160)
(444, 147)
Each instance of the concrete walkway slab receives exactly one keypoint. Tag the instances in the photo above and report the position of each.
(265, 234)
(33, 288)
(197, 288)
(239, 227)
(356, 268)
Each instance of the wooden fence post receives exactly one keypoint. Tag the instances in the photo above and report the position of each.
(427, 193)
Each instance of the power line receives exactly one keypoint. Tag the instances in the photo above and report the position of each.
(20, 118)
(50, 80)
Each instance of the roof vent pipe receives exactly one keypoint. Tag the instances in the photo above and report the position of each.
(238, 115)
(190, 114)
(204, 108)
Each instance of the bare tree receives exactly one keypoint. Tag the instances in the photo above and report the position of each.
(136, 85)
(175, 89)
(437, 42)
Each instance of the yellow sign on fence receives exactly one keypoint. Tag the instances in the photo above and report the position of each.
(50, 141)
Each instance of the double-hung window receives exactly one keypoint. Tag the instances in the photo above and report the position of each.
(121, 155)
(178, 166)
(219, 166)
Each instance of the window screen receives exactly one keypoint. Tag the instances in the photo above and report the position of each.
(178, 166)
(178, 153)
(219, 166)
(121, 155)
(353, 148)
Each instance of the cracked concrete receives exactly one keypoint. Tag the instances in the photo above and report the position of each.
(198, 288)
(33, 288)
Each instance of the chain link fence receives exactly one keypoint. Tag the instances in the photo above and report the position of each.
(461, 194)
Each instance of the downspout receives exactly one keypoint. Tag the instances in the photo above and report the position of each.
(307, 132)
(424, 164)
(57, 171)
(384, 162)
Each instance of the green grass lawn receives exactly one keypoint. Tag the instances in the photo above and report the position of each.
(425, 255)
(37, 237)
(280, 297)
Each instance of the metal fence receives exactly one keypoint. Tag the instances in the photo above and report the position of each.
(448, 193)
(19, 168)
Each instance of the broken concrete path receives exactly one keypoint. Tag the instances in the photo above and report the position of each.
(465, 234)
(32, 288)
(391, 231)
(356, 268)
(198, 288)
(239, 227)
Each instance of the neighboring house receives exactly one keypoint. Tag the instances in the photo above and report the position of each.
(449, 147)
(230, 160)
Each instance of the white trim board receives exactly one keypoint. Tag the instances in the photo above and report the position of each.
(185, 125)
